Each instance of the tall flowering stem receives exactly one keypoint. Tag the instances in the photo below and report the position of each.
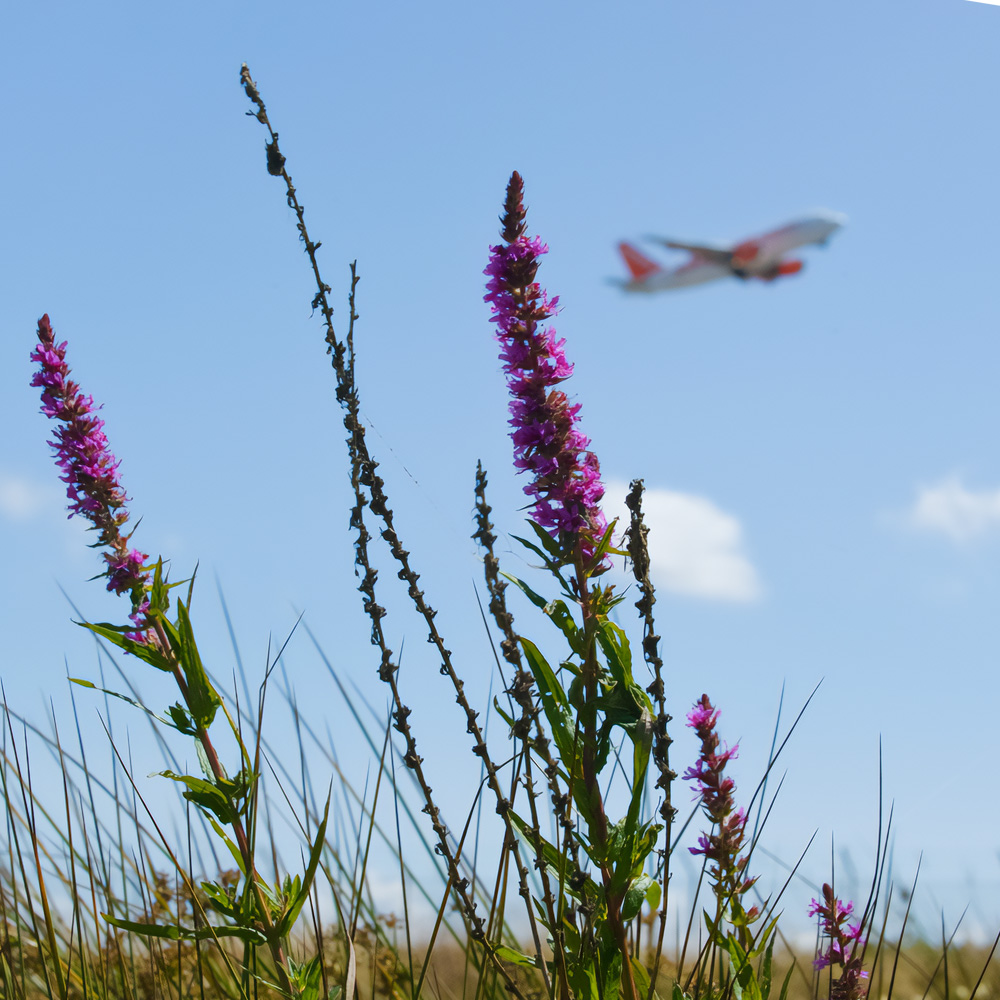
(843, 950)
(723, 844)
(90, 471)
(565, 486)
(572, 532)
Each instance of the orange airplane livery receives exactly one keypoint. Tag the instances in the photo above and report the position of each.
(762, 257)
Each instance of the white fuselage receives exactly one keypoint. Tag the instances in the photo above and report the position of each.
(690, 274)
(771, 247)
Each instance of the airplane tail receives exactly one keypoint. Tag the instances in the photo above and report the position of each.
(638, 264)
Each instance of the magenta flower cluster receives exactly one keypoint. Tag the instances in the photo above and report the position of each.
(845, 944)
(89, 470)
(566, 487)
(723, 844)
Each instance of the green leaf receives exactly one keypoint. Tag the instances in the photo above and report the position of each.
(603, 547)
(627, 848)
(642, 745)
(554, 702)
(221, 901)
(635, 896)
(202, 699)
(159, 592)
(300, 893)
(536, 599)
(713, 931)
(8, 978)
(205, 794)
(515, 957)
(745, 986)
(641, 977)
(174, 932)
(182, 720)
(765, 970)
(763, 938)
(554, 556)
(557, 863)
(541, 913)
(125, 698)
(509, 719)
(273, 898)
(533, 548)
(784, 986)
(115, 634)
(550, 544)
(305, 978)
(618, 651)
(620, 707)
(613, 977)
(228, 841)
(653, 894)
(678, 994)
(583, 980)
(558, 612)
(571, 935)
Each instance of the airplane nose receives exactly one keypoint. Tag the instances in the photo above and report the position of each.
(835, 219)
(827, 223)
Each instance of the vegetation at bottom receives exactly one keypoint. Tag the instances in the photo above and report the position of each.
(576, 900)
(73, 859)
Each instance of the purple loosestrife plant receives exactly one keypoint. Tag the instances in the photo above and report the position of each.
(723, 845)
(565, 487)
(600, 866)
(90, 472)
(843, 950)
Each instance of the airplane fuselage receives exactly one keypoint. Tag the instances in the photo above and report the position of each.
(772, 246)
(761, 257)
(682, 277)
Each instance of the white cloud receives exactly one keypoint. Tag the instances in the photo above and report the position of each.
(695, 548)
(21, 499)
(951, 509)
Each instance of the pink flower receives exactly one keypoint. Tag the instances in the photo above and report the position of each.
(89, 469)
(722, 846)
(566, 487)
(845, 947)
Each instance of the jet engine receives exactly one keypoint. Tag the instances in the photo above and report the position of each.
(782, 269)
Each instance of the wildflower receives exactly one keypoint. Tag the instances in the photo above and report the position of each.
(566, 487)
(723, 844)
(845, 941)
(89, 470)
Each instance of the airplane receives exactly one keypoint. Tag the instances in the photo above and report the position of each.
(761, 257)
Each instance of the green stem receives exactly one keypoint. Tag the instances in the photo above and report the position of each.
(592, 789)
(242, 841)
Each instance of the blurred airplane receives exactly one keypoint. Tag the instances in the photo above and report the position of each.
(761, 257)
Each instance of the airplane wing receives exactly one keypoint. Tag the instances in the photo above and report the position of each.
(705, 252)
(646, 275)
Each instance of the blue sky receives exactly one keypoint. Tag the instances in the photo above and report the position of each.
(822, 451)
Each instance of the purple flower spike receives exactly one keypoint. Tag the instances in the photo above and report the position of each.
(846, 947)
(566, 487)
(90, 471)
(723, 845)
